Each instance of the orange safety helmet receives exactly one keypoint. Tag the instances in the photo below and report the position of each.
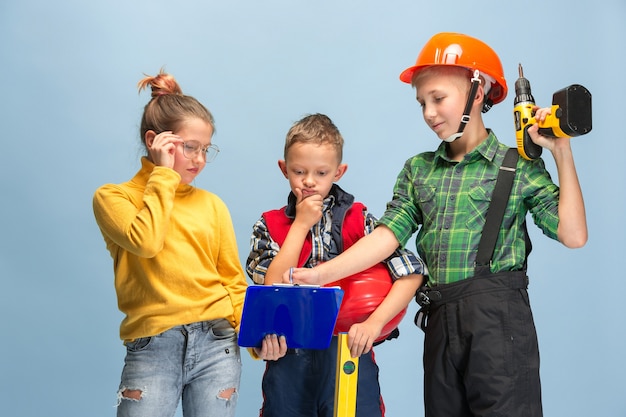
(363, 293)
(460, 50)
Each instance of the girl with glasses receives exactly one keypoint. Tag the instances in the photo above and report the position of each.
(178, 278)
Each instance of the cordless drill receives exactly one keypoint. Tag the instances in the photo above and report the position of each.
(570, 116)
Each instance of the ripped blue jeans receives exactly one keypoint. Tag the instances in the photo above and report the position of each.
(198, 364)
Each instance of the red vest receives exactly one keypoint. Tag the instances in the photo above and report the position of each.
(364, 291)
(352, 229)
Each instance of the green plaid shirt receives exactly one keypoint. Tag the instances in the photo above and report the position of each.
(449, 200)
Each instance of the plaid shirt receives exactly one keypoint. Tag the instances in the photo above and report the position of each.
(449, 200)
(263, 248)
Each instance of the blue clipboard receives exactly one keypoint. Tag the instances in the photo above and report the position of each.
(305, 315)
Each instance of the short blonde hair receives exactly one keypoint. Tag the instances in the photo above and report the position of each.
(458, 75)
(442, 70)
(317, 129)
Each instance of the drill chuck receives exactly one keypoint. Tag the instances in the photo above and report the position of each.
(522, 89)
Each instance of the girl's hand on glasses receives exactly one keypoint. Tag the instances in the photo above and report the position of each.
(162, 150)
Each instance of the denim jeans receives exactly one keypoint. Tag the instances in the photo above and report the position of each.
(302, 384)
(199, 363)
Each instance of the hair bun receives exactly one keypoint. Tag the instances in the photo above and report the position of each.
(162, 84)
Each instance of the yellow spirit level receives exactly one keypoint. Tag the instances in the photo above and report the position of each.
(345, 379)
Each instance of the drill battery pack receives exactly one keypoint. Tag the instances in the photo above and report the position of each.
(572, 107)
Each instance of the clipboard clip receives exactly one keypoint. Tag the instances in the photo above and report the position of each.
(280, 284)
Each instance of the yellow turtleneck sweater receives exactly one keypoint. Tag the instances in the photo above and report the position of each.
(174, 252)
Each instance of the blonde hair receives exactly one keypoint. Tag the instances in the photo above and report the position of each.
(443, 70)
(169, 108)
(317, 129)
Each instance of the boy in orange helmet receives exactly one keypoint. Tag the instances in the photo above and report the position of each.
(319, 222)
(481, 353)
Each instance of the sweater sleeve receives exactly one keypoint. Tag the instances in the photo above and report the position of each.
(139, 226)
(229, 266)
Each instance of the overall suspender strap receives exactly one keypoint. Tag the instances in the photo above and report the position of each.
(495, 213)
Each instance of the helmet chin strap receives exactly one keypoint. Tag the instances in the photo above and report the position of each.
(468, 108)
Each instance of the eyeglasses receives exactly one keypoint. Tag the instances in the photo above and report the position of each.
(192, 149)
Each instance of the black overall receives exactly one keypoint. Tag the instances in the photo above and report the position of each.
(481, 356)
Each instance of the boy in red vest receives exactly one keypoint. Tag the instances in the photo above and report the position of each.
(318, 223)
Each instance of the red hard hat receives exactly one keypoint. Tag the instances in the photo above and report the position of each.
(461, 50)
(363, 293)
